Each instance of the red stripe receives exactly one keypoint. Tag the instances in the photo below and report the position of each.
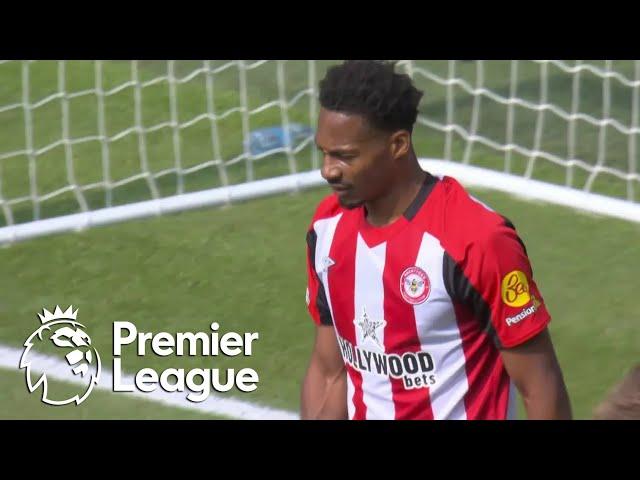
(343, 253)
(401, 334)
(313, 285)
(488, 394)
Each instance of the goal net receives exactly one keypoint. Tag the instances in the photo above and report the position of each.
(85, 143)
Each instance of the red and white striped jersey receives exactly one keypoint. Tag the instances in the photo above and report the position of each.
(422, 307)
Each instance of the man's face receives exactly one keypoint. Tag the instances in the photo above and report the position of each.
(357, 160)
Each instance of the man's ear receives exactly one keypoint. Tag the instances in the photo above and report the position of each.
(400, 143)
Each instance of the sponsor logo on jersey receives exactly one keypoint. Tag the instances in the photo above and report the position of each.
(515, 289)
(415, 285)
(524, 313)
(416, 369)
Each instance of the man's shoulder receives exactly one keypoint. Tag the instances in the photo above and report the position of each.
(462, 220)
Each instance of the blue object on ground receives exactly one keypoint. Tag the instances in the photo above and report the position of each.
(272, 138)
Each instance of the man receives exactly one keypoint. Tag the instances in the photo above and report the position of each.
(423, 299)
(623, 401)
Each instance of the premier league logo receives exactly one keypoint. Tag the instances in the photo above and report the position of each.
(60, 330)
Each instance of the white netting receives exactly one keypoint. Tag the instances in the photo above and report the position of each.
(81, 136)
(579, 119)
(84, 135)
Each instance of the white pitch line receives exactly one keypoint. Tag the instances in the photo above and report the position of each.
(214, 404)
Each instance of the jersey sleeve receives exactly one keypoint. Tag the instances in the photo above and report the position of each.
(315, 296)
(501, 272)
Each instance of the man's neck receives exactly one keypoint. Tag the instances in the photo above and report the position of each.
(396, 201)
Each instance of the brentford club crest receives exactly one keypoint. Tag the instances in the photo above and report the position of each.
(415, 285)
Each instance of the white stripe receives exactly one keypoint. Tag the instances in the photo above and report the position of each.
(214, 404)
(439, 335)
(369, 295)
(325, 230)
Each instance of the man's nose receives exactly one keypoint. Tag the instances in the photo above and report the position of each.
(330, 170)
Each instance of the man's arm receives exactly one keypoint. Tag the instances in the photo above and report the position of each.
(324, 389)
(534, 368)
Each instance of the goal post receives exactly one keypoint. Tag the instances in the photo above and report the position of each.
(579, 120)
(85, 143)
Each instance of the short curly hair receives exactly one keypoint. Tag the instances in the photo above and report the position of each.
(371, 88)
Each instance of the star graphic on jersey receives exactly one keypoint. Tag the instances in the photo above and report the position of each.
(369, 327)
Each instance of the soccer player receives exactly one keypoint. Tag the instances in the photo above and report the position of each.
(623, 401)
(423, 298)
